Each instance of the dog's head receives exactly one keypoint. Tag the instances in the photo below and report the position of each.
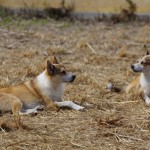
(142, 65)
(58, 72)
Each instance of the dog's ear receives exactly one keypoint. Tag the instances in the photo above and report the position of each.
(147, 60)
(54, 60)
(50, 68)
(147, 52)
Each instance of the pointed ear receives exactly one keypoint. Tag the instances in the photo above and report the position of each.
(50, 68)
(54, 60)
(147, 52)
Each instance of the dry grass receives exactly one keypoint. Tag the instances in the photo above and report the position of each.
(115, 121)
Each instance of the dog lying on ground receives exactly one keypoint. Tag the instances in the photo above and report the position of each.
(45, 89)
(141, 82)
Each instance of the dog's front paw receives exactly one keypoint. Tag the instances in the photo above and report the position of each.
(79, 107)
(147, 100)
(32, 114)
(40, 108)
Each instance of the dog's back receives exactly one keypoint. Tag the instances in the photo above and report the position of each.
(22, 92)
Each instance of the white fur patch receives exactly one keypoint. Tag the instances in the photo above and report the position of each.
(49, 88)
(29, 111)
(145, 83)
(147, 100)
(43, 80)
(69, 104)
(32, 111)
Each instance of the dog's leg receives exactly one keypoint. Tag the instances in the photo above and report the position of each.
(33, 111)
(39, 108)
(16, 107)
(10, 102)
(49, 103)
(147, 100)
(69, 104)
(29, 111)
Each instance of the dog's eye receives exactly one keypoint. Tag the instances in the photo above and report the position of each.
(142, 62)
(63, 72)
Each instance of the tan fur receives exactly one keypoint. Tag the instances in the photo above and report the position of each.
(29, 92)
(45, 89)
(141, 84)
(9, 102)
(12, 98)
(133, 85)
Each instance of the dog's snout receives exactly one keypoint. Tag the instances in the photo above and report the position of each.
(137, 67)
(69, 77)
(132, 67)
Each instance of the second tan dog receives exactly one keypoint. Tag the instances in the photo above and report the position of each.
(141, 82)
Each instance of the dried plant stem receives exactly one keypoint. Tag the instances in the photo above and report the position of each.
(124, 102)
(126, 136)
(2, 129)
(91, 48)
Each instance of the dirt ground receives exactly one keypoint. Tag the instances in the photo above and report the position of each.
(97, 53)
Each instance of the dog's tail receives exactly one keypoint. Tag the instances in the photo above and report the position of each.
(132, 86)
(111, 87)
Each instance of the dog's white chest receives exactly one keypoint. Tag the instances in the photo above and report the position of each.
(145, 83)
(48, 89)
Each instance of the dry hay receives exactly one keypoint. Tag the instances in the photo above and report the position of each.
(97, 53)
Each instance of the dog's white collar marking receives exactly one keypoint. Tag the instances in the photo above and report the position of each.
(43, 80)
(145, 84)
(145, 81)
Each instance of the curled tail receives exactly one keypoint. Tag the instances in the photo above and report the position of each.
(132, 86)
(111, 87)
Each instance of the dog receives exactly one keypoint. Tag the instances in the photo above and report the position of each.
(47, 89)
(141, 83)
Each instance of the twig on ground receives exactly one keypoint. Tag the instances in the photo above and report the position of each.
(124, 102)
(126, 136)
(91, 48)
(2, 129)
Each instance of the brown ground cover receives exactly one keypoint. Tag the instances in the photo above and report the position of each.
(97, 53)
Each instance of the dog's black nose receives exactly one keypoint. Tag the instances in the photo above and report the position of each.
(132, 67)
(73, 77)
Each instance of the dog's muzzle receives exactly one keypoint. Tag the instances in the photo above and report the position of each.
(136, 68)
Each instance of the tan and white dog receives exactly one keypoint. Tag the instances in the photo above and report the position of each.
(45, 89)
(141, 82)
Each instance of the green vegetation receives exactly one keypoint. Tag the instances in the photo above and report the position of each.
(21, 23)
